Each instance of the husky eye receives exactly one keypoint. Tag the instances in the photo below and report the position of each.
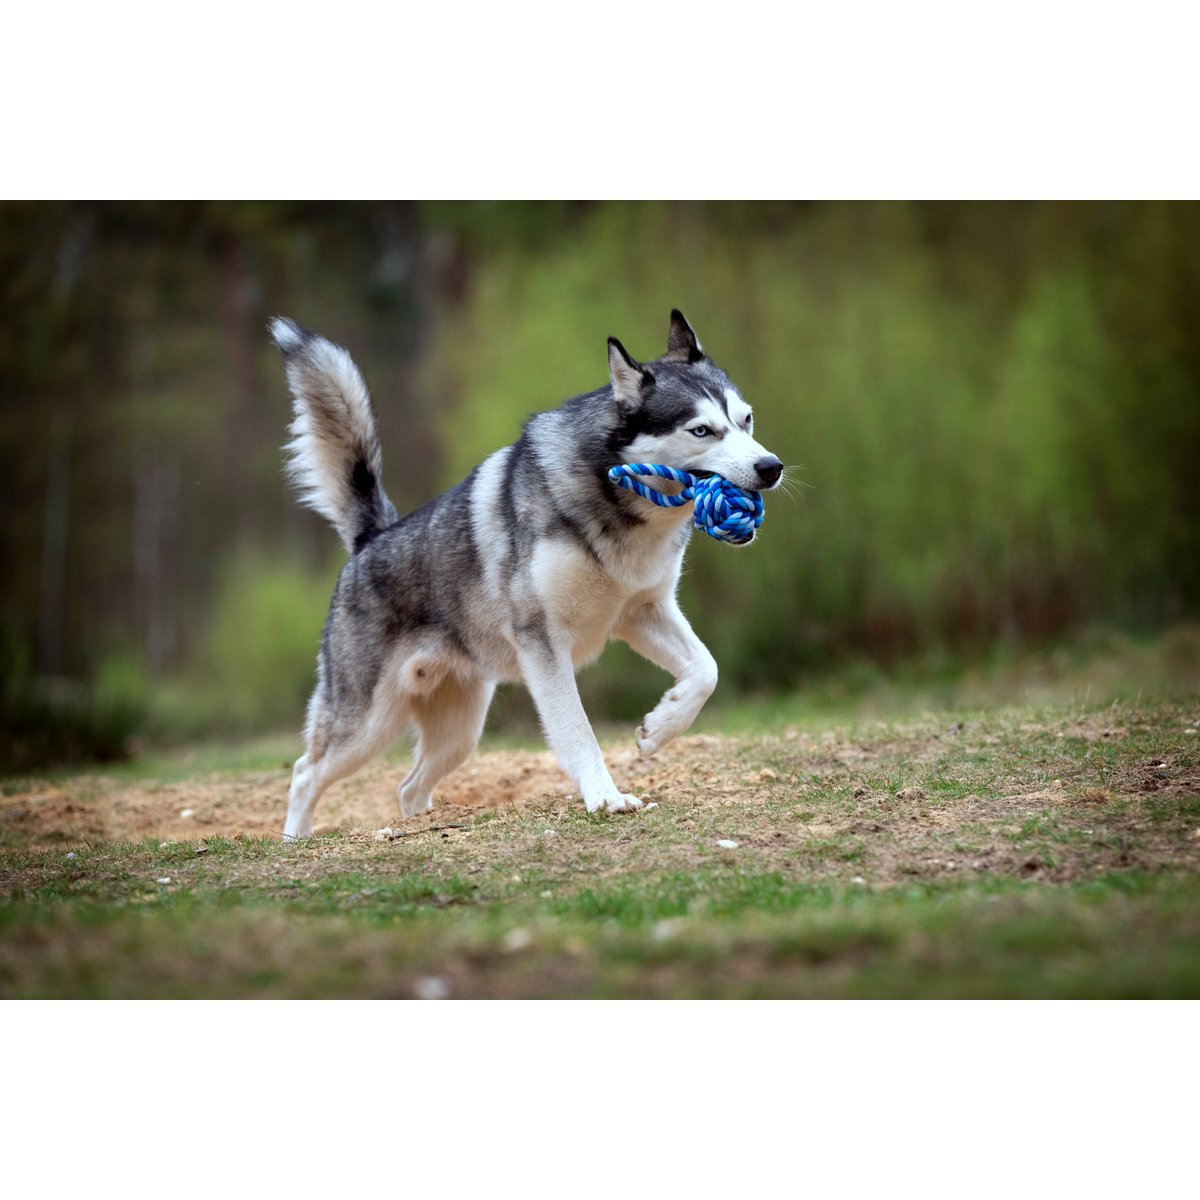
(749, 420)
(701, 431)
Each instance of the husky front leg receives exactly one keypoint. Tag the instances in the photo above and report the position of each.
(660, 632)
(550, 676)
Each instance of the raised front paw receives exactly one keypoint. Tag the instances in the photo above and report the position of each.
(659, 727)
(673, 714)
(646, 744)
(611, 802)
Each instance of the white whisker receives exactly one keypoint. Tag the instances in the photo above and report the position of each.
(791, 486)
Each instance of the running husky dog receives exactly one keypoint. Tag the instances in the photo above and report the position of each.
(522, 572)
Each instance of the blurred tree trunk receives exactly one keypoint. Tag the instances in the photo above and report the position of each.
(52, 623)
(237, 304)
(155, 533)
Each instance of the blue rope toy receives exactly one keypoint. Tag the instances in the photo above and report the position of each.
(723, 510)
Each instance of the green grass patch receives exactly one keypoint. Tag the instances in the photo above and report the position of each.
(1024, 850)
(719, 933)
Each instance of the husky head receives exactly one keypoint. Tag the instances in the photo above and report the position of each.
(683, 411)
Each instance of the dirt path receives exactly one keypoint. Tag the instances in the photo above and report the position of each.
(98, 808)
(1005, 795)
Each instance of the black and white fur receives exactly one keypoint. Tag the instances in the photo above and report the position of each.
(521, 572)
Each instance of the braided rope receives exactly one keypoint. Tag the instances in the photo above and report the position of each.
(723, 510)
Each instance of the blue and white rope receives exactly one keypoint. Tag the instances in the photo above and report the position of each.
(723, 510)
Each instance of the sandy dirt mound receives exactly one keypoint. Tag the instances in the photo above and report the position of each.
(96, 808)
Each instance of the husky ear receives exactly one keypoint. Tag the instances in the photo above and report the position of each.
(630, 380)
(682, 343)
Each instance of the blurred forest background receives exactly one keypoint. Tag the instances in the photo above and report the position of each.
(995, 409)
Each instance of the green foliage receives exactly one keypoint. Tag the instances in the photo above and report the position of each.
(990, 413)
(55, 720)
(991, 450)
(257, 664)
(263, 638)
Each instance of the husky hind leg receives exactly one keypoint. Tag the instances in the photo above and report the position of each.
(337, 747)
(450, 720)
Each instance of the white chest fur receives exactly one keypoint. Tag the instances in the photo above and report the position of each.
(583, 599)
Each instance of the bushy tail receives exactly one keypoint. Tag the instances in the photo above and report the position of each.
(333, 457)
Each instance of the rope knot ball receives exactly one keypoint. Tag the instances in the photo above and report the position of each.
(723, 510)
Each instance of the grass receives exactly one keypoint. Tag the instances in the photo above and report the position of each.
(1039, 847)
(716, 932)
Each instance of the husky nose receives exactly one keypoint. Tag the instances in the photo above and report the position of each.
(769, 470)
